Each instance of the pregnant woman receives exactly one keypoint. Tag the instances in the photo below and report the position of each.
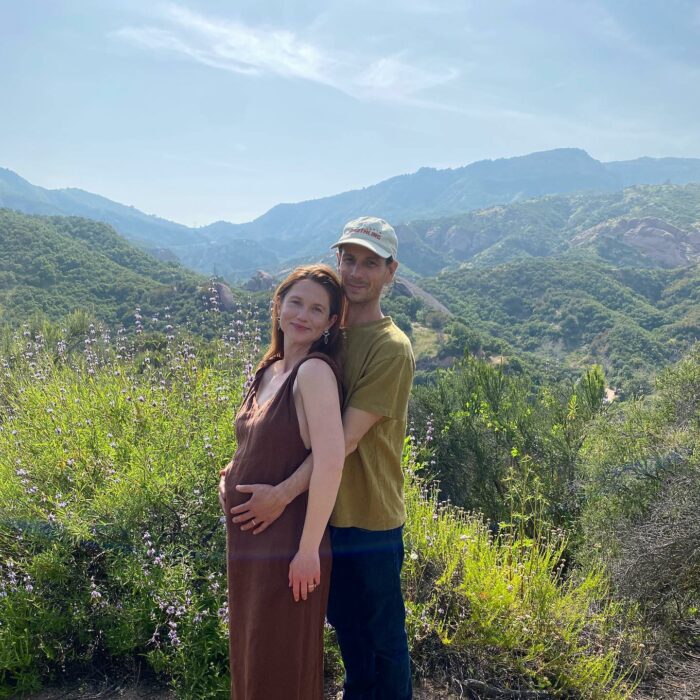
(278, 579)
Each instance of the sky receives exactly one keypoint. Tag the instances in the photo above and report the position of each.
(202, 110)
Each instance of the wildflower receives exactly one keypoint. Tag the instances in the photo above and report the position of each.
(95, 595)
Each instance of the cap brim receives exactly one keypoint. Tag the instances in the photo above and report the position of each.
(370, 245)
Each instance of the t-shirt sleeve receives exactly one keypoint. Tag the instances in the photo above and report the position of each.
(384, 388)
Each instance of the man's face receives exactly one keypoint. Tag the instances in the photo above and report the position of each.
(364, 274)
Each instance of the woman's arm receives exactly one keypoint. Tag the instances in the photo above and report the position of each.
(319, 394)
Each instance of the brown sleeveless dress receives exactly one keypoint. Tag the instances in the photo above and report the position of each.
(275, 644)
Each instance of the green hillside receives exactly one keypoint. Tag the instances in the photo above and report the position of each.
(554, 313)
(575, 309)
(55, 265)
(544, 226)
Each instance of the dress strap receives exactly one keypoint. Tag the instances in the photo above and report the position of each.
(328, 360)
(254, 384)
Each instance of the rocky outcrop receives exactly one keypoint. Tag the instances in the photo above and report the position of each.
(226, 299)
(401, 289)
(655, 240)
(261, 281)
(406, 288)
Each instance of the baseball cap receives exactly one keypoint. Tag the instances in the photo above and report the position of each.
(370, 232)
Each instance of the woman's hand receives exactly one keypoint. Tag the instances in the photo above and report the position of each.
(304, 574)
(222, 485)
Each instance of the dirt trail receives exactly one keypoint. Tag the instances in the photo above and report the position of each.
(681, 682)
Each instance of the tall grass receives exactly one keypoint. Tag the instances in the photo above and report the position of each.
(491, 601)
(112, 545)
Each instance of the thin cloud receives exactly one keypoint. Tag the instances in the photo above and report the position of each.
(390, 77)
(163, 40)
(247, 50)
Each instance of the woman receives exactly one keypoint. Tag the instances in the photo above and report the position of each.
(293, 406)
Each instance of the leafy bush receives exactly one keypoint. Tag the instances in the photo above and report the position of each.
(112, 546)
(498, 607)
(643, 497)
(480, 421)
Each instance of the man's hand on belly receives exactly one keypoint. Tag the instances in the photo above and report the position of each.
(264, 506)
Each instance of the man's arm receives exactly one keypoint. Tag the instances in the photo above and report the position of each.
(356, 424)
(267, 502)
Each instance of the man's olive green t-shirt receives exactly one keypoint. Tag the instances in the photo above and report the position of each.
(377, 376)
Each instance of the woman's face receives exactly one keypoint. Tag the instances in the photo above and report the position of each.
(304, 312)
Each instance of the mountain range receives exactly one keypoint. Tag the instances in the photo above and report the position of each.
(589, 272)
(289, 233)
(641, 226)
(606, 298)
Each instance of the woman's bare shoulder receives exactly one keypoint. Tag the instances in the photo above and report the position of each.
(315, 368)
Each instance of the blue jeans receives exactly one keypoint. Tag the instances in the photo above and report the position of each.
(366, 608)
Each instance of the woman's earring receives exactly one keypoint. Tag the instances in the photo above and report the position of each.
(326, 335)
(279, 324)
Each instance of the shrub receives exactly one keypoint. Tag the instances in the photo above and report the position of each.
(642, 478)
(480, 420)
(498, 606)
(112, 546)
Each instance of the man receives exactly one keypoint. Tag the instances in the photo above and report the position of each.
(366, 604)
